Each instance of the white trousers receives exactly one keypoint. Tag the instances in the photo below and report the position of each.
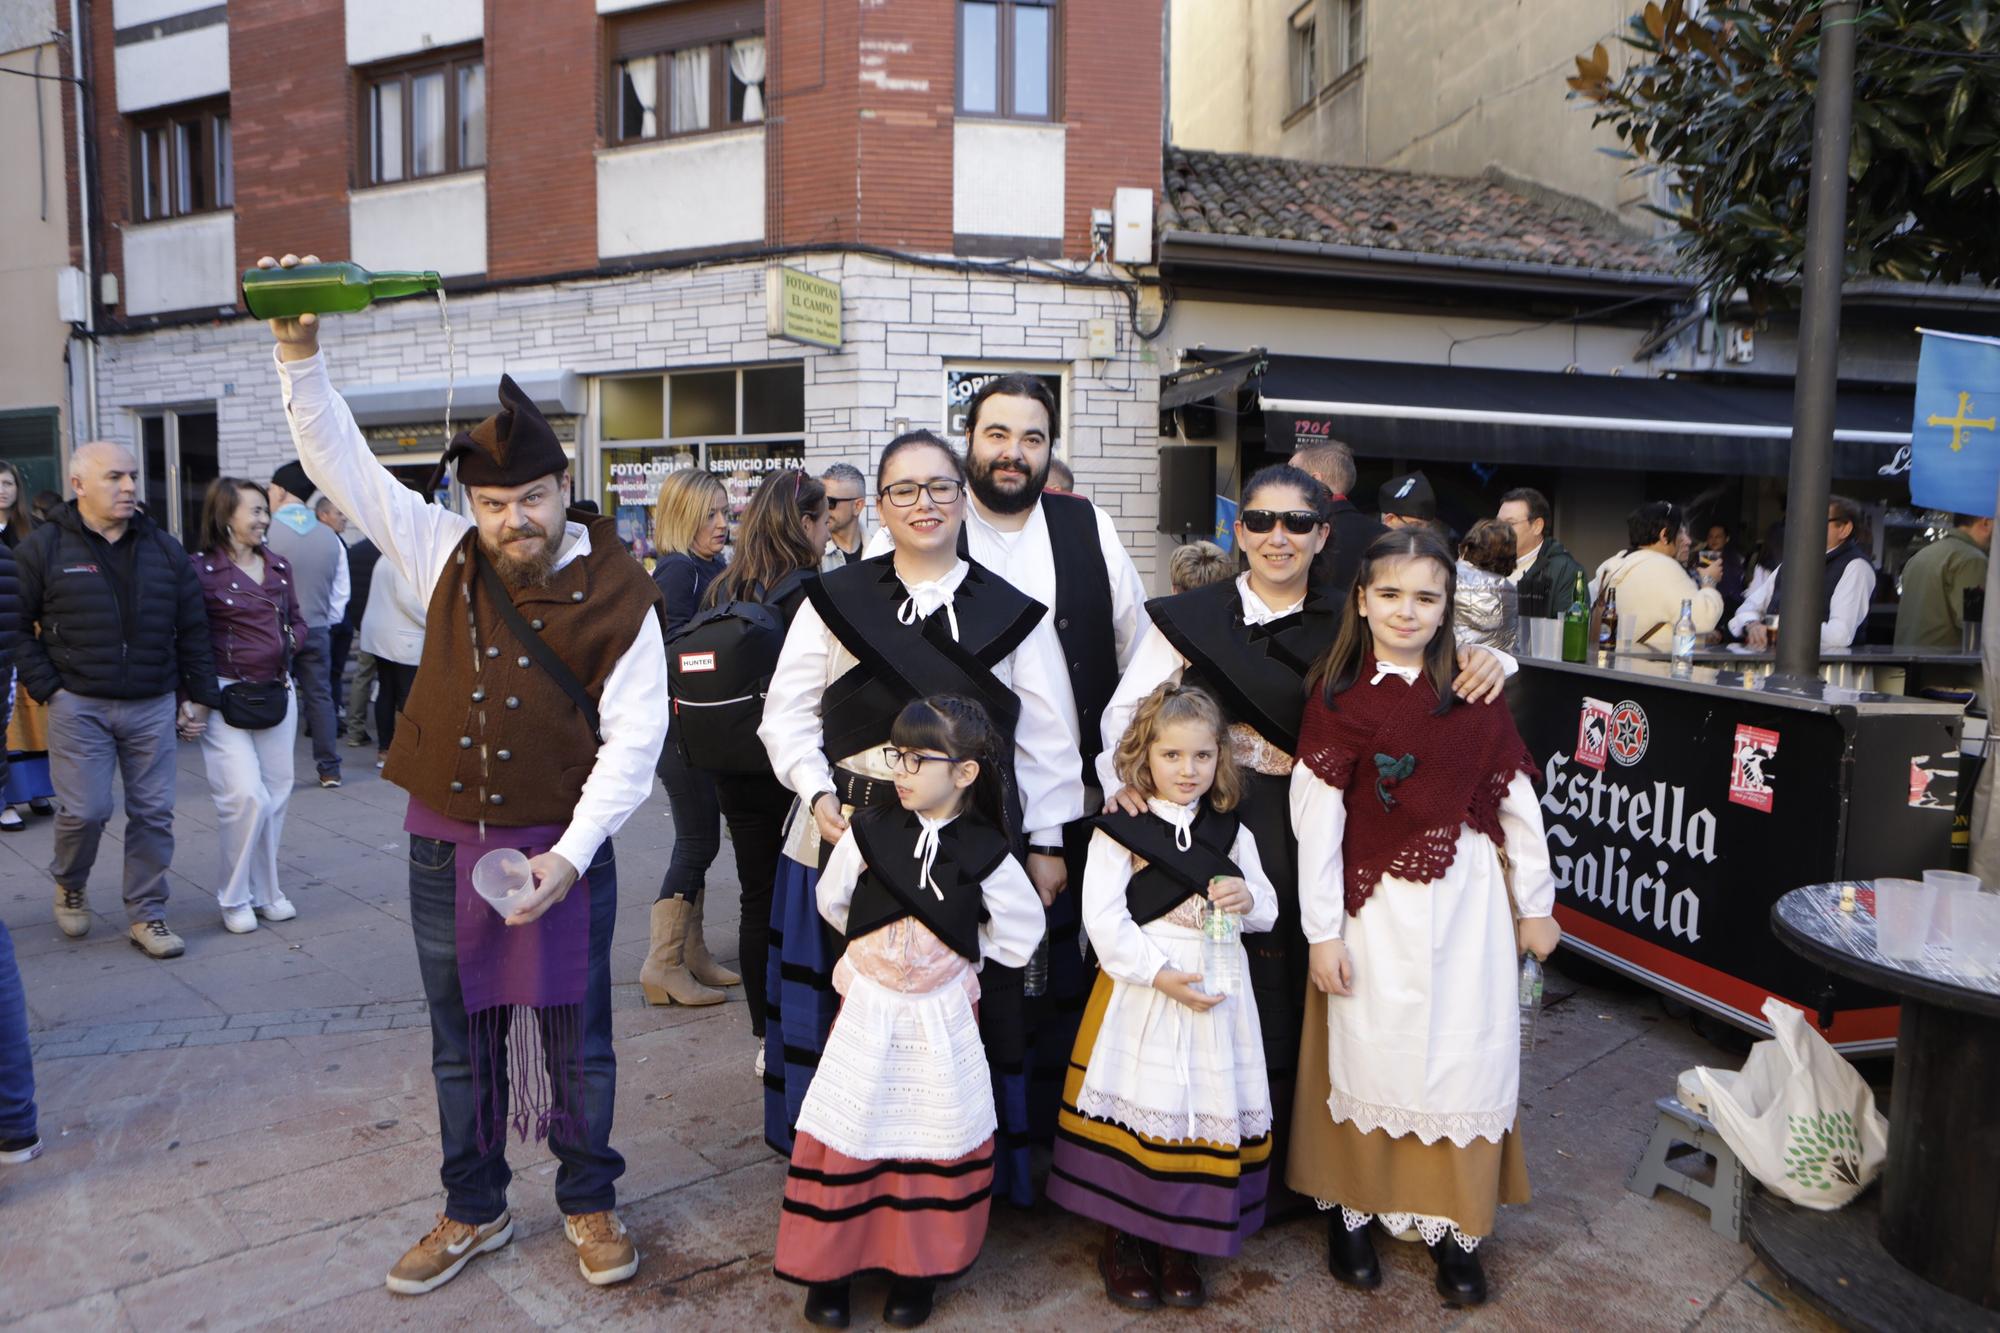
(250, 773)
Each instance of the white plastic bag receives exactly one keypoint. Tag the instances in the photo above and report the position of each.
(1798, 1116)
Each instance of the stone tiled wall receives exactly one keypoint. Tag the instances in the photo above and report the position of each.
(903, 324)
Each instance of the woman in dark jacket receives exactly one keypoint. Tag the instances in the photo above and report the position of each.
(24, 760)
(690, 526)
(254, 626)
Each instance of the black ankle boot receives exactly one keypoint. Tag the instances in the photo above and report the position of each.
(909, 1302)
(1461, 1280)
(1350, 1255)
(827, 1304)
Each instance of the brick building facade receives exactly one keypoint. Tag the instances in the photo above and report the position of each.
(607, 190)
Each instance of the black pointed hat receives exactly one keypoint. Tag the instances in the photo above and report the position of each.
(1409, 496)
(513, 447)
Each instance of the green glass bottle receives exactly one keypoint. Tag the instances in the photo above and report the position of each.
(1576, 626)
(326, 289)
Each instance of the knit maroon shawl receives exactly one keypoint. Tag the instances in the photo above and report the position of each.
(1411, 779)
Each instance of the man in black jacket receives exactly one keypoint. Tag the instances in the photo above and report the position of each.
(1544, 572)
(1332, 465)
(112, 625)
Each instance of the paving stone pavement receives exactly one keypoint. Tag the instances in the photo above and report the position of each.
(245, 1138)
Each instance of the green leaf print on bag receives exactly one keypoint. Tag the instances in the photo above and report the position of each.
(1822, 1149)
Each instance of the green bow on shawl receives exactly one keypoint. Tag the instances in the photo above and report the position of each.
(1389, 772)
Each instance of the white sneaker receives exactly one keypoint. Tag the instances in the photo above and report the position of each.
(239, 920)
(281, 910)
(760, 1059)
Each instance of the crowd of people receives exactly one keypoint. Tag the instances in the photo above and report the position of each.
(1048, 890)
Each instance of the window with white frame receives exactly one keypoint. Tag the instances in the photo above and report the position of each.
(1353, 32)
(1304, 52)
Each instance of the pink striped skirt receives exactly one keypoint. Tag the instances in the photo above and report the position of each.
(844, 1217)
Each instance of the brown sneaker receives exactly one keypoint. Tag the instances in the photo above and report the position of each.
(604, 1251)
(156, 940)
(72, 912)
(450, 1246)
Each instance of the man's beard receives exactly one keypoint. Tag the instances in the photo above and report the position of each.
(1007, 502)
(522, 560)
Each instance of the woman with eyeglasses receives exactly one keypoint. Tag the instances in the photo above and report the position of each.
(871, 638)
(1249, 643)
(778, 545)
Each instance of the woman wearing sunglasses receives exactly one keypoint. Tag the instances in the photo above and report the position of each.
(871, 638)
(1249, 643)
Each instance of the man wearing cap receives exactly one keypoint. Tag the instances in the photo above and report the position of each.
(534, 723)
(318, 558)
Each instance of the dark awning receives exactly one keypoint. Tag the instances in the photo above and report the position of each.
(1472, 415)
(1210, 379)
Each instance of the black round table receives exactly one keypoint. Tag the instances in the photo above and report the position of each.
(1940, 1197)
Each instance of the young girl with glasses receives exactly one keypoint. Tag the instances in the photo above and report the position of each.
(1249, 644)
(892, 1163)
(1164, 1135)
(1423, 876)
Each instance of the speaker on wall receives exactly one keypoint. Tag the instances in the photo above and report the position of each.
(1187, 488)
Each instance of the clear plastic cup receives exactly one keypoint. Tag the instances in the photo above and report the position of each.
(1975, 934)
(1903, 917)
(502, 878)
(1950, 884)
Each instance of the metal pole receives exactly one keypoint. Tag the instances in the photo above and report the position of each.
(1800, 608)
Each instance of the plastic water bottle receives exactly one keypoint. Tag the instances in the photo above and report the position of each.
(1221, 952)
(1531, 1000)
(1035, 977)
(1684, 632)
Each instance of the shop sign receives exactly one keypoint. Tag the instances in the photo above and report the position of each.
(961, 385)
(801, 307)
(638, 483)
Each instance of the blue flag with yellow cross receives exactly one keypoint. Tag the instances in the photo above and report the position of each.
(1955, 430)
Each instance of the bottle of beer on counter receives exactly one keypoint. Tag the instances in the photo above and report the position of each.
(326, 289)
(1576, 626)
(1607, 629)
(1684, 632)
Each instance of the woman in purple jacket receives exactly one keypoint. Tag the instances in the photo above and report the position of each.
(254, 622)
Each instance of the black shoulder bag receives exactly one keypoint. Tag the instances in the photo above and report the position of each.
(545, 656)
(259, 705)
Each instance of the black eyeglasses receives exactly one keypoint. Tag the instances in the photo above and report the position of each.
(843, 499)
(904, 493)
(1298, 522)
(912, 762)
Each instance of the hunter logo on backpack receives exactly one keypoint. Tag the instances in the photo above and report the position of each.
(719, 667)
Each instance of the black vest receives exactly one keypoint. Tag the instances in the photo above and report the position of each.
(897, 663)
(1170, 874)
(1256, 672)
(1837, 561)
(1085, 618)
(892, 887)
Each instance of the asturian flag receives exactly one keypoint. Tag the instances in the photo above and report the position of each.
(1955, 431)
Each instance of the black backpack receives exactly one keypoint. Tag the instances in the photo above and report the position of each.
(719, 667)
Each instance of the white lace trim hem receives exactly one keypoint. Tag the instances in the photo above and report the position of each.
(1227, 1131)
(1461, 1127)
(1432, 1229)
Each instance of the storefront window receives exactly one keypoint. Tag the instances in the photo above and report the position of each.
(632, 480)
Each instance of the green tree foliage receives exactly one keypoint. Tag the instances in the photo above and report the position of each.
(1723, 102)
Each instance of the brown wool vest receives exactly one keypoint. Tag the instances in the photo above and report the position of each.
(487, 735)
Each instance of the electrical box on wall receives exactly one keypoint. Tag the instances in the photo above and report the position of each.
(1103, 338)
(72, 296)
(1132, 216)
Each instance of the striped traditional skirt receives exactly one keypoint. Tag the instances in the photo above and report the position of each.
(799, 994)
(844, 1217)
(1190, 1194)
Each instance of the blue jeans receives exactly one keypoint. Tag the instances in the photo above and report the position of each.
(475, 1182)
(697, 815)
(17, 1070)
(312, 668)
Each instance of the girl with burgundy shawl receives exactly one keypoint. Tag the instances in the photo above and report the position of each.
(1423, 875)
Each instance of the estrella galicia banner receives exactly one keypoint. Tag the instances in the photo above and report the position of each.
(1955, 429)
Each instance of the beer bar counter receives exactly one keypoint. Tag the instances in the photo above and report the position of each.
(1683, 802)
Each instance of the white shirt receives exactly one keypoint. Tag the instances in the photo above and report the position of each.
(1851, 597)
(417, 538)
(1524, 563)
(1008, 935)
(813, 659)
(1123, 949)
(1027, 560)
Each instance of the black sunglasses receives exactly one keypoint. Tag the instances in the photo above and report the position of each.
(1298, 522)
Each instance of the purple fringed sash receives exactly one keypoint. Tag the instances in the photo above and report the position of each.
(512, 973)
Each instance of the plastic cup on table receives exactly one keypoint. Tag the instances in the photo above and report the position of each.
(1903, 917)
(1950, 884)
(1975, 930)
(502, 878)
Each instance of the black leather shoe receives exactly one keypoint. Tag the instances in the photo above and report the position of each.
(827, 1304)
(1461, 1281)
(1350, 1255)
(909, 1302)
